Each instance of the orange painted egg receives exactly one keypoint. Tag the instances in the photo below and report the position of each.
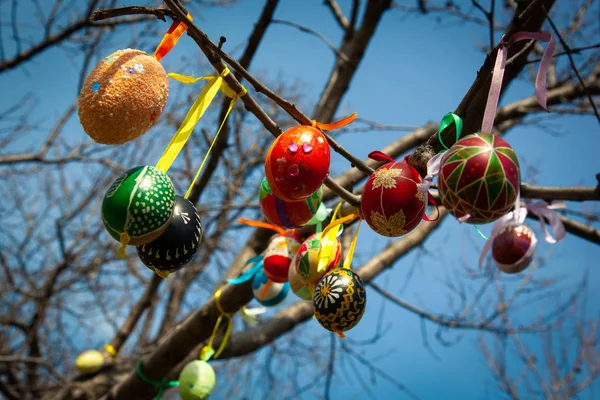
(479, 178)
(123, 97)
(288, 214)
(513, 247)
(278, 257)
(307, 258)
(297, 163)
(391, 203)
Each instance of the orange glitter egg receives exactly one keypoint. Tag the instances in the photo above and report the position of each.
(123, 97)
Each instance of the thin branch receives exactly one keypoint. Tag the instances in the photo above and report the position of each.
(338, 14)
(160, 13)
(572, 61)
(316, 34)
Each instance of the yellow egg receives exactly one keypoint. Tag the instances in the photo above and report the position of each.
(123, 97)
(89, 361)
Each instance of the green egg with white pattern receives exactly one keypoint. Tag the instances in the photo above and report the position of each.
(196, 381)
(140, 204)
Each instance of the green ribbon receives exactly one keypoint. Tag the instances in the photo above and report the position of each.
(162, 385)
(448, 120)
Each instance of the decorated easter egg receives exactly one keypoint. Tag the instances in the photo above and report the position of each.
(296, 284)
(89, 361)
(392, 204)
(267, 292)
(307, 258)
(123, 97)
(479, 178)
(196, 381)
(278, 256)
(288, 214)
(297, 163)
(140, 204)
(513, 247)
(178, 243)
(340, 300)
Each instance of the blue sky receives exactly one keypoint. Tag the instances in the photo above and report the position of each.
(415, 71)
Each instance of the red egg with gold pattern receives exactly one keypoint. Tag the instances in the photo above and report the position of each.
(297, 163)
(513, 247)
(391, 202)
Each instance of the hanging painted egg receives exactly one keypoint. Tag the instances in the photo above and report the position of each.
(179, 242)
(513, 247)
(288, 214)
(297, 163)
(267, 292)
(296, 284)
(278, 256)
(123, 97)
(196, 381)
(340, 300)
(307, 258)
(392, 203)
(139, 203)
(479, 178)
(89, 362)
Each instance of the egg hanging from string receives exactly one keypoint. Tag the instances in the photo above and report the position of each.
(89, 362)
(196, 381)
(298, 286)
(513, 247)
(123, 97)
(140, 204)
(391, 203)
(178, 244)
(479, 178)
(340, 300)
(297, 163)
(267, 292)
(288, 214)
(307, 258)
(278, 256)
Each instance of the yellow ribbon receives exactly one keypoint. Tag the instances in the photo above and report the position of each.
(124, 240)
(208, 351)
(348, 260)
(111, 350)
(328, 239)
(215, 84)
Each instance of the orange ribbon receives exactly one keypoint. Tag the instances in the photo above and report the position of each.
(335, 125)
(260, 224)
(171, 38)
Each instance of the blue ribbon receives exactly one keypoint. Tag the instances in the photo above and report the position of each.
(246, 276)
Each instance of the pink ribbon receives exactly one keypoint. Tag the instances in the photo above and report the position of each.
(544, 212)
(541, 92)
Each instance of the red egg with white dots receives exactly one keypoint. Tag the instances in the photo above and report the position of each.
(297, 163)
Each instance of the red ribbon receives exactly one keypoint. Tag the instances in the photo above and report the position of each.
(541, 93)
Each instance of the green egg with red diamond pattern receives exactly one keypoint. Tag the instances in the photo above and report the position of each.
(139, 204)
(178, 244)
(340, 300)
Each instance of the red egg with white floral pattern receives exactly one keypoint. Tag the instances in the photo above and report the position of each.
(479, 178)
(392, 203)
(297, 163)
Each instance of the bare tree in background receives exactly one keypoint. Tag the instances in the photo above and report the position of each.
(60, 274)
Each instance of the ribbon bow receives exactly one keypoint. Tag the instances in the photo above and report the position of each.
(544, 212)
